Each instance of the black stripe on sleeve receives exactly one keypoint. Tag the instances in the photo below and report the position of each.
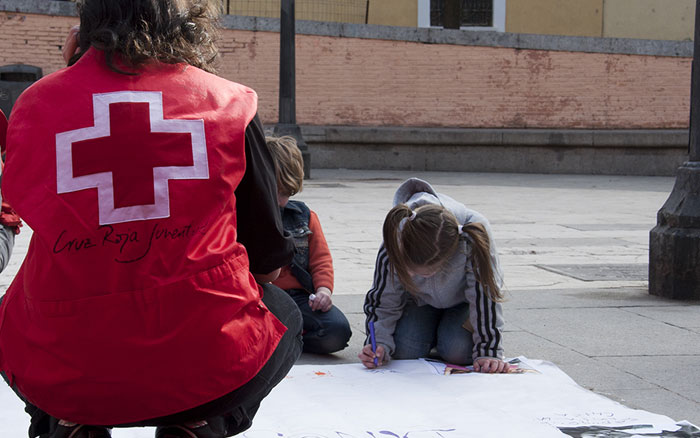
(479, 319)
(490, 336)
(373, 297)
(496, 333)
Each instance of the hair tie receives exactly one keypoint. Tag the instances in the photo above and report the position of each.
(461, 232)
(402, 224)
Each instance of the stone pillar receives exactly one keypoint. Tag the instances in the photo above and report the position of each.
(674, 244)
(287, 123)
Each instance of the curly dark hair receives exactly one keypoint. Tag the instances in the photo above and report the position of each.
(170, 31)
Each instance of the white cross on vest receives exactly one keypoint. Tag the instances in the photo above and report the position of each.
(129, 155)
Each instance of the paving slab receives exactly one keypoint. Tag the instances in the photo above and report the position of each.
(608, 227)
(669, 372)
(555, 242)
(660, 401)
(587, 296)
(591, 373)
(531, 277)
(678, 315)
(606, 331)
(599, 271)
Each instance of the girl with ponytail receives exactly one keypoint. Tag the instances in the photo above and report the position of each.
(437, 284)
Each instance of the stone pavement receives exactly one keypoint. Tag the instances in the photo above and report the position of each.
(574, 250)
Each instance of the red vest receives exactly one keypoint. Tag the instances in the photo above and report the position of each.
(135, 299)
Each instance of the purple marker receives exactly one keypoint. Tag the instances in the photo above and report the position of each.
(373, 340)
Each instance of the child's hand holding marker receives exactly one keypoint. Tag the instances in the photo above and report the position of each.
(368, 357)
(372, 356)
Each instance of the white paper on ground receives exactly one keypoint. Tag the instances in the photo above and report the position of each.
(412, 399)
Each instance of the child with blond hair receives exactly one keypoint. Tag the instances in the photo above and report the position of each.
(309, 278)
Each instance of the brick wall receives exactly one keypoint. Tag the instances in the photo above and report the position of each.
(33, 39)
(374, 82)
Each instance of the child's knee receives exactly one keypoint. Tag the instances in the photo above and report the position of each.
(328, 336)
(325, 341)
(459, 353)
(407, 349)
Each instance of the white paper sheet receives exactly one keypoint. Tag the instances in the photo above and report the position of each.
(413, 399)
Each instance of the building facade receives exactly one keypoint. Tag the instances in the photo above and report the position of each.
(399, 97)
(643, 19)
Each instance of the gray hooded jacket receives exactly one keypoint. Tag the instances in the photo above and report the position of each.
(454, 285)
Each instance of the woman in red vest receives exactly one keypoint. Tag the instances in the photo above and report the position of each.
(149, 189)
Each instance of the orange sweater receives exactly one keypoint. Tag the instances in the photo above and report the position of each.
(320, 261)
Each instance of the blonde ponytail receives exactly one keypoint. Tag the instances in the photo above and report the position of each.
(397, 258)
(481, 256)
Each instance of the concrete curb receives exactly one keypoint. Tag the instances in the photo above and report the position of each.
(657, 138)
(612, 152)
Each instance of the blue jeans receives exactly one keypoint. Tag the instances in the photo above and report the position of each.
(324, 332)
(421, 328)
